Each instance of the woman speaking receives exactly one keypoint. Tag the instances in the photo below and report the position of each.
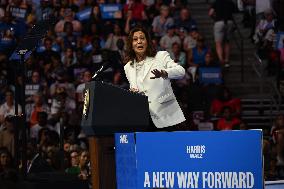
(149, 72)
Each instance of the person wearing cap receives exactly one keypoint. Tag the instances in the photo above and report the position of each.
(167, 40)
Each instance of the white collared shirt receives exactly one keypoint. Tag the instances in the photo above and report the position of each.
(5, 110)
(140, 69)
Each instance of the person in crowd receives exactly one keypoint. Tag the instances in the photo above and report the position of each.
(68, 58)
(153, 10)
(177, 54)
(96, 54)
(225, 99)
(61, 103)
(162, 21)
(76, 71)
(196, 56)
(137, 8)
(167, 40)
(265, 30)
(249, 19)
(69, 39)
(74, 163)
(277, 133)
(44, 57)
(34, 85)
(222, 13)
(62, 83)
(111, 42)
(182, 33)
(34, 108)
(68, 16)
(6, 161)
(44, 10)
(84, 161)
(210, 65)
(185, 20)
(7, 135)
(51, 70)
(41, 123)
(210, 61)
(156, 44)
(149, 73)
(228, 121)
(87, 76)
(8, 107)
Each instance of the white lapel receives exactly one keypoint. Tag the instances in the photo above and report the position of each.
(148, 64)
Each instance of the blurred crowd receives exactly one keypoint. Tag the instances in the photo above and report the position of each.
(76, 46)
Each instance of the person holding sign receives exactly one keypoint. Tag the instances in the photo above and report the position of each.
(149, 73)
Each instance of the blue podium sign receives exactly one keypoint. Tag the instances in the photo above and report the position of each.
(214, 159)
(125, 158)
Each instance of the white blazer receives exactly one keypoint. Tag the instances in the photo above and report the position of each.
(163, 106)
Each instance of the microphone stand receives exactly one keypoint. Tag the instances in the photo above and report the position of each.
(102, 68)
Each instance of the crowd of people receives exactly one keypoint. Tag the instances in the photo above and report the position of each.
(76, 47)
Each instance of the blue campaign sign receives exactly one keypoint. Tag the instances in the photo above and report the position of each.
(125, 161)
(214, 159)
(84, 14)
(111, 11)
(210, 75)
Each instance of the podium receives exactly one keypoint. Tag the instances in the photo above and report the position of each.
(107, 110)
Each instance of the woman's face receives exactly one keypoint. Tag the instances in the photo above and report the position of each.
(84, 157)
(165, 12)
(176, 48)
(74, 159)
(4, 159)
(139, 43)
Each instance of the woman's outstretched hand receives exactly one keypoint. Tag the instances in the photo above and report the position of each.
(134, 90)
(158, 74)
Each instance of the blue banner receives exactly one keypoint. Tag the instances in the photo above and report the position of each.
(211, 75)
(111, 11)
(125, 161)
(84, 14)
(214, 159)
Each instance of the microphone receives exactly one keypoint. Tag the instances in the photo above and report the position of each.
(102, 68)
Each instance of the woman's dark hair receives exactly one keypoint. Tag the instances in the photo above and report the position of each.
(130, 54)
(4, 150)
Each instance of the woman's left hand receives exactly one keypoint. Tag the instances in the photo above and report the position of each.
(158, 74)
